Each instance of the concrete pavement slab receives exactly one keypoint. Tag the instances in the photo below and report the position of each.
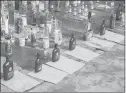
(97, 44)
(5, 89)
(49, 74)
(112, 36)
(68, 65)
(102, 43)
(20, 82)
(84, 54)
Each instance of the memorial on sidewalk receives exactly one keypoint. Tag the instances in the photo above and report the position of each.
(33, 39)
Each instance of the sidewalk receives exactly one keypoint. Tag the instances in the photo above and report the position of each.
(104, 73)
